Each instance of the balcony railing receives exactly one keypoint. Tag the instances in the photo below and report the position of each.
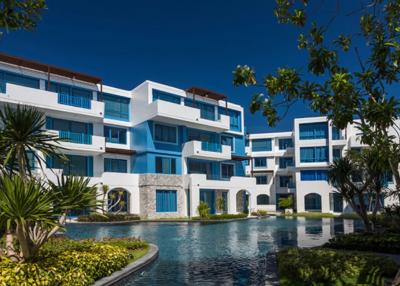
(79, 138)
(211, 146)
(73, 100)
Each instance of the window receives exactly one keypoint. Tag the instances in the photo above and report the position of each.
(210, 169)
(336, 133)
(228, 140)
(115, 135)
(166, 201)
(75, 165)
(262, 200)
(260, 162)
(19, 79)
(313, 130)
(165, 134)
(313, 154)
(227, 171)
(312, 202)
(72, 96)
(262, 180)
(286, 182)
(165, 96)
(73, 131)
(207, 111)
(234, 118)
(259, 145)
(115, 165)
(285, 162)
(285, 143)
(115, 107)
(337, 154)
(314, 175)
(165, 165)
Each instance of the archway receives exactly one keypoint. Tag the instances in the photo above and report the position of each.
(312, 202)
(242, 201)
(263, 199)
(118, 200)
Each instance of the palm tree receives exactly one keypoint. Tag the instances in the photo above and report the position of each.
(23, 132)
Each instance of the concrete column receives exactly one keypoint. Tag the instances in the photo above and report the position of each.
(232, 201)
(253, 202)
(194, 200)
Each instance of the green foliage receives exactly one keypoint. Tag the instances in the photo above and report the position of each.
(203, 210)
(108, 217)
(20, 14)
(222, 216)
(221, 204)
(387, 243)
(304, 267)
(286, 203)
(260, 213)
(67, 262)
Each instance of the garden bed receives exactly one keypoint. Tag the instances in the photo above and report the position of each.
(222, 217)
(69, 262)
(321, 266)
(108, 217)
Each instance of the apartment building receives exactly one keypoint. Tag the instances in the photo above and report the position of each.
(296, 164)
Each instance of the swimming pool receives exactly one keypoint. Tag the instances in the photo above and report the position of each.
(231, 253)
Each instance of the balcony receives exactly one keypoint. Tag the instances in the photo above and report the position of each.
(178, 114)
(206, 150)
(78, 138)
(235, 182)
(51, 101)
(80, 142)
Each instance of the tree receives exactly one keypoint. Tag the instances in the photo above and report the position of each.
(221, 204)
(203, 210)
(332, 86)
(20, 14)
(286, 203)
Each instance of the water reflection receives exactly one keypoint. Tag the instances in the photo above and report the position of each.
(217, 254)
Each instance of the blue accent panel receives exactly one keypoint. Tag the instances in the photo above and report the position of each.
(318, 130)
(115, 165)
(115, 107)
(261, 145)
(314, 175)
(165, 96)
(313, 154)
(208, 196)
(166, 201)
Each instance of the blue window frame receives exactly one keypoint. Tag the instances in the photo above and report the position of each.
(229, 141)
(166, 201)
(209, 141)
(17, 79)
(165, 133)
(336, 133)
(285, 143)
(313, 154)
(227, 171)
(75, 165)
(72, 96)
(336, 154)
(260, 145)
(115, 135)
(209, 168)
(165, 96)
(260, 162)
(115, 165)
(207, 111)
(317, 130)
(314, 175)
(115, 107)
(262, 180)
(165, 165)
(72, 131)
(235, 118)
(285, 162)
(286, 182)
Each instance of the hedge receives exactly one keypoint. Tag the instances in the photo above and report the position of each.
(222, 216)
(376, 242)
(318, 267)
(108, 217)
(67, 263)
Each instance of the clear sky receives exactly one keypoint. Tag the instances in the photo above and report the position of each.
(176, 42)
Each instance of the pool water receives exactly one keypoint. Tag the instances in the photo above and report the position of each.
(231, 253)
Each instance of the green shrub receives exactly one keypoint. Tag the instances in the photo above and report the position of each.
(203, 210)
(376, 242)
(67, 262)
(286, 203)
(259, 213)
(304, 267)
(222, 216)
(108, 217)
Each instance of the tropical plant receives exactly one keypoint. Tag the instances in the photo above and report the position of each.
(116, 201)
(286, 203)
(221, 204)
(203, 210)
(105, 189)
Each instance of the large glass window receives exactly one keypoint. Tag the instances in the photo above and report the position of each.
(165, 165)
(115, 107)
(337, 133)
(115, 135)
(69, 95)
(19, 79)
(210, 169)
(165, 96)
(227, 171)
(259, 145)
(262, 180)
(313, 130)
(73, 131)
(115, 165)
(166, 201)
(285, 162)
(75, 165)
(336, 153)
(312, 202)
(262, 200)
(286, 182)
(260, 162)
(165, 133)
(314, 175)
(235, 121)
(229, 141)
(285, 143)
(313, 154)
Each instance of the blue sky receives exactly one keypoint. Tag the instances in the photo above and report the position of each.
(179, 43)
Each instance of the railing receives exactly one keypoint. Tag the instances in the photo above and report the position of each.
(211, 146)
(77, 101)
(79, 138)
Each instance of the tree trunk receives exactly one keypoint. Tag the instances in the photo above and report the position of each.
(10, 251)
(25, 244)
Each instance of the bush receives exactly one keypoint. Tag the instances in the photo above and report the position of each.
(389, 220)
(259, 213)
(332, 267)
(222, 216)
(203, 210)
(108, 217)
(388, 243)
(67, 262)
